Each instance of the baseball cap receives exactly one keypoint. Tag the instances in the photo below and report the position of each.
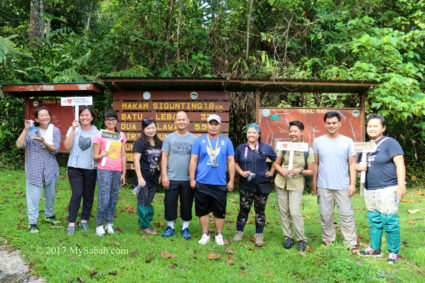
(214, 117)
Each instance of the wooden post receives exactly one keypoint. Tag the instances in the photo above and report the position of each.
(363, 112)
(257, 104)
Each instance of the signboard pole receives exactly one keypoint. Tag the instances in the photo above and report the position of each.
(108, 145)
(291, 159)
(77, 114)
(364, 148)
(363, 175)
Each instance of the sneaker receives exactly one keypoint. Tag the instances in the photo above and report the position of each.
(259, 239)
(109, 228)
(288, 243)
(238, 236)
(392, 258)
(186, 234)
(168, 232)
(100, 231)
(52, 220)
(219, 239)
(84, 226)
(302, 245)
(204, 239)
(33, 229)
(150, 231)
(70, 230)
(369, 252)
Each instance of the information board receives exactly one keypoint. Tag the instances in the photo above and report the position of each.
(162, 106)
(274, 123)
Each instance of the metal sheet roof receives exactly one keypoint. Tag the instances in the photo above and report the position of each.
(115, 83)
(53, 89)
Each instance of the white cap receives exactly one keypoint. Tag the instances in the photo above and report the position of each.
(214, 117)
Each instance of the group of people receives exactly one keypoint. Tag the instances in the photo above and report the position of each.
(195, 169)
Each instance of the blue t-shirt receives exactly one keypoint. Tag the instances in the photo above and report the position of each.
(205, 172)
(254, 161)
(381, 171)
(333, 161)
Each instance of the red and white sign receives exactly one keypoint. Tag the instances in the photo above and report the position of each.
(292, 146)
(76, 101)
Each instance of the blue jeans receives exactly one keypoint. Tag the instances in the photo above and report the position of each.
(108, 185)
(33, 193)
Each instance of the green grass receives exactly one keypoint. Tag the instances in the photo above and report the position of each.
(128, 256)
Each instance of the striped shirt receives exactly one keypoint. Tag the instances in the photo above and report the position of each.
(41, 165)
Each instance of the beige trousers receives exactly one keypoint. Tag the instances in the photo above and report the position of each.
(289, 202)
(327, 200)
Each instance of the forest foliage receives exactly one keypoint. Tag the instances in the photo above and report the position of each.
(81, 40)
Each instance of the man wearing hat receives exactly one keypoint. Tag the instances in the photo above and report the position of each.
(211, 155)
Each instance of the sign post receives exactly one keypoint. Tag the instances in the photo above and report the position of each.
(364, 148)
(110, 136)
(76, 101)
(291, 147)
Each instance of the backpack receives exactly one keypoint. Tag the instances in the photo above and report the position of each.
(307, 179)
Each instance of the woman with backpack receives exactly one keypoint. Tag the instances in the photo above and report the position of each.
(384, 188)
(255, 182)
(290, 186)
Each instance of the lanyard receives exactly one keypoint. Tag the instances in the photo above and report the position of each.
(377, 145)
(246, 150)
(213, 152)
(252, 159)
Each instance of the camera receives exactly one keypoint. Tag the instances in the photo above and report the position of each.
(250, 177)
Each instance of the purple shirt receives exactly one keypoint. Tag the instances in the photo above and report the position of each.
(41, 165)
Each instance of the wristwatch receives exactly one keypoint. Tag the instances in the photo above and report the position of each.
(302, 171)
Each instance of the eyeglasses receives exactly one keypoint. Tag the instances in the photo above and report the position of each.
(111, 120)
(147, 120)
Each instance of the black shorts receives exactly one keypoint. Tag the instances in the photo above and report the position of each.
(210, 198)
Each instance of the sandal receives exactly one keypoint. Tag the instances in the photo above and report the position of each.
(354, 249)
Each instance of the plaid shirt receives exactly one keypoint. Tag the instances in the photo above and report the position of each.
(41, 165)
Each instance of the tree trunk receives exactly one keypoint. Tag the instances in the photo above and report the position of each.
(179, 24)
(168, 30)
(36, 22)
(247, 28)
(87, 27)
(47, 28)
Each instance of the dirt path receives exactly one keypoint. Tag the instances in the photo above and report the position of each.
(13, 268)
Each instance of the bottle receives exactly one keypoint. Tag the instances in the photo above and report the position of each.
(31, 129)
(136, 190)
